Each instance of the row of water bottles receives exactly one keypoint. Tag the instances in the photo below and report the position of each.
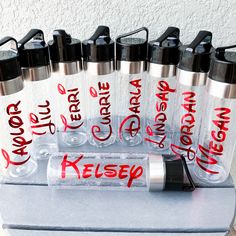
(158, 94)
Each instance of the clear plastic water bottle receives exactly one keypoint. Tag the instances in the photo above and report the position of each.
(119, 171)
(34, 60)
(218, 135)
(98, 56)
(131, 55)
(15, 136)
(191, 79)
(163, 56)
(69, 89)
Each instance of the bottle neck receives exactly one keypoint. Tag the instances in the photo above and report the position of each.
(221, 89)
(189, 78)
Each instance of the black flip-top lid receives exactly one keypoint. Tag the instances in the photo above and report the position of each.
(132, 48)
(176, 174)
(195, 57)
(33, 50)
(63, 48)
(9, 61)
(165, 49)
(223, 65)
(100, 47)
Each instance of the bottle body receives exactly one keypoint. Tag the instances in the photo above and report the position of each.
(101, 120)
(187, 113)
(41, 113)
(160, 98)
(15, 135)
(70, 109)
(99, 171)
(217, 137)
(131, 108)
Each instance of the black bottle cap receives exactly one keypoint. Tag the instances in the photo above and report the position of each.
(195, 57)
(63, 48)
(100, 47)
(35, 52)
(223, 65)
(132, 48)
(176, 174)
(9, 61)
(165, 49)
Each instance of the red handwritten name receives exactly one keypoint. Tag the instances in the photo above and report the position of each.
(215, 149)
(101, 171)
(104, 111)
(19, 142)
(187, 125)
(163, 90)
(73, 107)
(131, 123)
(42, 123)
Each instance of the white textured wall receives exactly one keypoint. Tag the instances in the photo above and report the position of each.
(80, 17)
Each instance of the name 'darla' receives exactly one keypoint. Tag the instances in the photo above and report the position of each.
(131, 124)
(163, 90)
(209, 155)
(100, 171)
(19, 142)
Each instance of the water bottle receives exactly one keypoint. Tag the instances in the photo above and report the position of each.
(131, 55)
(98, 56)
(191, 79)
(34, 60)
(218, 135)
(69, 97)
(15, 136)
(119, 171)
(163, 56)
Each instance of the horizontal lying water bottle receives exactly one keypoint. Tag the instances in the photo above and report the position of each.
(121, 171)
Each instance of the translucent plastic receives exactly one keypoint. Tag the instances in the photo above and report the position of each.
(101, 121)
(187, 120)
(131, 108)
(108, 171)
(70, 105)
(160, 97)
(42, 117)
(217, 140)
(15, 137)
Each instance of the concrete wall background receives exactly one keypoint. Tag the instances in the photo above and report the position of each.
(81, 17)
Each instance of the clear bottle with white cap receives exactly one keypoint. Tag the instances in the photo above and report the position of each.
(191, 79)
(34, 60)
(98, 58)
(69, 89)
(119, 171)
(131, 55)
(218, 135)
(15, 136)
(163, 56)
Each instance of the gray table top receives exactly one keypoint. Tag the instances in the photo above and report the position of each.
(33, 208)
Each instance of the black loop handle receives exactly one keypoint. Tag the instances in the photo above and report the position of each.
(203, 36)
(61, 36)
(8, 39)
(221, 50)
(101, 31)
(32, 34)
(170, 32)
(191, 187)
(132, 33)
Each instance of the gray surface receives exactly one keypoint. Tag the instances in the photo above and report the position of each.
(33, 208)
(62, 233)
(40, 207)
